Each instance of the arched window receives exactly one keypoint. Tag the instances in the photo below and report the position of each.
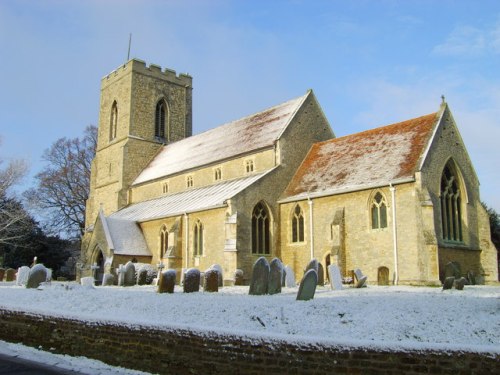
(161, 120)
(189, 181)
(113, 121)
(451, 205)
(379, 212)
(249, 166)
(297, 225)
(260, 230)
(217, 174)
(163, 241)
(198, 239)
(164, 187)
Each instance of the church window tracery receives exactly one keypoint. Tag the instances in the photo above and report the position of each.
(451, 205)
(260, 230)
(379, 212)
(297, 225)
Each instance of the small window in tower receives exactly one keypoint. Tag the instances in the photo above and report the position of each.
(249, 167)
(217, 174)
(113, 121)
(189, 181)
(161, 120)
(165, 187)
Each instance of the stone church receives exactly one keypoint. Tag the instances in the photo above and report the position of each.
(400, 202)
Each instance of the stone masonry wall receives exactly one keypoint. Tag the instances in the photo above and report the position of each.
(182, 351)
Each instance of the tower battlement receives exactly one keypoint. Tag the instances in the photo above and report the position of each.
(139, 66)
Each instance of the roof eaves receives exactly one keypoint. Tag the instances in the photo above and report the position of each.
(179, 213)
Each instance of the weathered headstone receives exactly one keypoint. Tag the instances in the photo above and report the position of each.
(211, 280)
(275, 272)
(121, 275)
(37, 275)
(2, 273)
(129, 275)
(108, 279)
(49, 274)
(471, 277)
(307, 286)
(289, 277)
(312, 265)
(452, 269)
(220, 273)
(321, 274)
(87, 281)
(167, 281)
(335, 277)
(283, 276)
(10, 274)
(238, 277)
(260, 277)
(142, 276)
(448, 282)
(22, 275)
(360, 278)
(460, 283)
(192, 280)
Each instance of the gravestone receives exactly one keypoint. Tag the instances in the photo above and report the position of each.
(460, 283)
(108, 279)
(238, 277)
(321, 274)
(2, 273)
(167, 281)
(142, 276)
(471, 277)
(289, 277)
(37, 275)
(448, 282)
(307, 286)
(87, 282)
(22, 275)
(221, 275)
(312, 265)
(360, 278)
(192, 280)
(283, 277)
(211, 280)
(129, 274)
(121, 275)
(260, 277)
(10, 274)
(452, 269)
(335, 277)
(49, 275)
(274, 280)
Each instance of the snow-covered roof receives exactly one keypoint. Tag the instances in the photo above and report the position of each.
(193, 200)
(126, 237)
(239, 137)
(376, 157)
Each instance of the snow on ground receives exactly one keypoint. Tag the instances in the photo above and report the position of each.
(386, 317)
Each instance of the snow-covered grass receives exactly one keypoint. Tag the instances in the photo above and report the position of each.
(386, 317)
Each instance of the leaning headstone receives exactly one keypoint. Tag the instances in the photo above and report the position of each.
(37, 275)
(289, 277)
(471, 278)
(221, 275)
(142, 276)
(448, 282)
(22, 275)
(10, 274)
(211, 280)
(2, 273)
(307, 286)
(87, 281)
(108, 279)
(192, 280)
(275, 272)
(312, 265)
(360, 278)
(460, 283)
(167, 280)
(260, 277)
(129, 275)
(321, 274)
(238, 277)
(452, 269)
(335, 277)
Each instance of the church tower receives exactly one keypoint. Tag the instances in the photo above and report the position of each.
(142, 108)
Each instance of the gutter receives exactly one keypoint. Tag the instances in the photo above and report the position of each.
(311, 226)
(394, 233)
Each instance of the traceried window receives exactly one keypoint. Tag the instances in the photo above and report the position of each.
(260, 230)
(163, 241)
(297, 225)
(198, 239)
(113, 121)
(161, 120)
(217, 174)
(451, 205)
(379, 212)
(249, 166)
(189, 181)
(164, 187)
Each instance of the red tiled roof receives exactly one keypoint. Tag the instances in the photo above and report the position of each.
(373, 157)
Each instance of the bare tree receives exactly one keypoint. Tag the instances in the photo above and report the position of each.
(63, 186)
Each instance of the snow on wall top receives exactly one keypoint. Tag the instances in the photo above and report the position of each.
(127, 237)
(226, 141)
(370, 158)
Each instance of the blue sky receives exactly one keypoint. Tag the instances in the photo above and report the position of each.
(370, 63)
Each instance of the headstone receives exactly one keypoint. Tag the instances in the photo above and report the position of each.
(87, 281)
(221, 275)
(10, 274)
(108, 279)
(289, 277)
(142, 276)
(238, 277)
(312, 265)
(471, 277)
(448, 282)
(121, 275)
(2, 273)
(452, 269)
(167, 280)
(129, 275)
(274, 280)
(49, 274)
(307, 286)
(192, 280)
(283, 277)
(22, 275)
(360, 278)
(260, 277)
(460, 283)
(37, 275)
(211, 280)
(321, 274)
(335, 277)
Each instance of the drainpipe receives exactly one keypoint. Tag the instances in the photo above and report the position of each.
(311, 226)
(186, 221)
(394, 233)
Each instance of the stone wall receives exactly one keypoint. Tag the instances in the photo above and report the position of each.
(182, 351)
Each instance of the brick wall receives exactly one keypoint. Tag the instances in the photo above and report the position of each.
(181, 351)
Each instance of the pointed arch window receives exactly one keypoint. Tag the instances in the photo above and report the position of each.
(161, 120)
(297, 225)
(163, 241)
(198, 239)
(379, 212)
(113, 121)
(260, 230)
(217, 174)
(189, 181)
(451, 205)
